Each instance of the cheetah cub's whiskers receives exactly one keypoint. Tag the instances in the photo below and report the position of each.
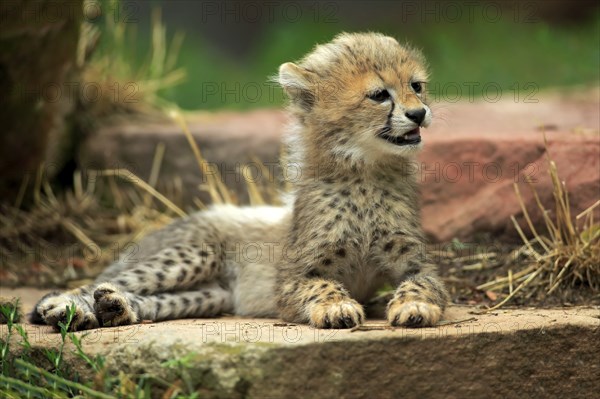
(352, 224)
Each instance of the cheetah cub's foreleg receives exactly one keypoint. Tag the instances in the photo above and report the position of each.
(323, 303)
(418, 301)
(420, 297)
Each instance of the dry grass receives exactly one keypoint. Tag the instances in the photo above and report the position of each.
(565, 256)
(70, 237)
(267, 193)
(73, 235)
(106, 59)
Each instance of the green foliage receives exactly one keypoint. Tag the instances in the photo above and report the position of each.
(10, 313)
(22, 377)
(469, 59)
(131, 73)
(182, 367)
(458, 245)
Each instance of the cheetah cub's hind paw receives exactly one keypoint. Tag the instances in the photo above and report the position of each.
(53, 310)
(342, 314)
(111, 306)
(413, 314)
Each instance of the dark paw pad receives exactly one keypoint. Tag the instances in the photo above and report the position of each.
(108, 309)
(80, 321)
(54, 316)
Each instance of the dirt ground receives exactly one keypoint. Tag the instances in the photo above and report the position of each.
(463, 270)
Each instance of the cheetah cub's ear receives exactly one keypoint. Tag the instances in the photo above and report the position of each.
(298, 83)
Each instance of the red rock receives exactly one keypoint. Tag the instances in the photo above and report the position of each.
(472, 160)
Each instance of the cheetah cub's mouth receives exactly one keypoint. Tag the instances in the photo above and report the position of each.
(408, 138)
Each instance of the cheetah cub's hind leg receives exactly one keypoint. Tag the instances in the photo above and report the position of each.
(207, 300)
(112, 306)
(115, 308)
(138, 292)
(418, 302)
(52, 310)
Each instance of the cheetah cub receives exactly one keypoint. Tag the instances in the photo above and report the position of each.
(352, 225)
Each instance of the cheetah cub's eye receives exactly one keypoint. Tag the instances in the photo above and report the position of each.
(417, 87)
(379, 96)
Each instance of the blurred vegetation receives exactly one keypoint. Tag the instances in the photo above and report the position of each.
(533, 53)
(129, 81)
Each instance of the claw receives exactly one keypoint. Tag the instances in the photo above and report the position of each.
(414, 321)
(348, 322)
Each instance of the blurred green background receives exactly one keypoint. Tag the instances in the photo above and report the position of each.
(231, 48)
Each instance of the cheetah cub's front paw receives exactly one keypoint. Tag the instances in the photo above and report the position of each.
(341, 314)
(111, 306)
(54, 311)
(413, 314)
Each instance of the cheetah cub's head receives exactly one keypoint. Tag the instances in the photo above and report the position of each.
(360, 97)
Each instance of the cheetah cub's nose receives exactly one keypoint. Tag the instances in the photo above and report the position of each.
(416, 115)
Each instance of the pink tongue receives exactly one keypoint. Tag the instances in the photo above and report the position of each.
(413, 134)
